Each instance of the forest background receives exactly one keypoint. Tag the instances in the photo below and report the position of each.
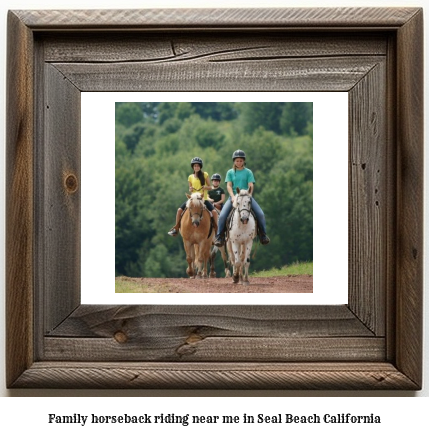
(154, 145)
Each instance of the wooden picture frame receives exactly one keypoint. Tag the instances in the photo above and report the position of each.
(373, 342)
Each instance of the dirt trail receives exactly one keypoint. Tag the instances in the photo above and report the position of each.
(280, 284)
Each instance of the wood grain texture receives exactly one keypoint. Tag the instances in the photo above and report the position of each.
(214, 333)
(409, 296)
(373, 343)
(288, 18)
(368, 202)
(110, 375)
(301, 74)
(61, 186)
(239, 321)
(194, 348)
(167, 47)
(19, 200)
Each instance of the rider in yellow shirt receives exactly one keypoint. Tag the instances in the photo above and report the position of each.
(198, 182)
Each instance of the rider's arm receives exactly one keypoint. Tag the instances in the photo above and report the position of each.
(250, 185)
(230, 191)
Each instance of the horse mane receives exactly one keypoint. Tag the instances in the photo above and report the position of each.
(241, 193)
(193, 196)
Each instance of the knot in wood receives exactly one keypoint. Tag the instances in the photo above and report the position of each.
(120, 337)
(71, 183)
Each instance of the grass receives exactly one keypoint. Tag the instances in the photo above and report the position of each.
(296, 269)
(127, 285)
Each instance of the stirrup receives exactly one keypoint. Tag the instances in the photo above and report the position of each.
(173, 232)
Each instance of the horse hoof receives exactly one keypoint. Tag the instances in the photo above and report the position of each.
(235, 279)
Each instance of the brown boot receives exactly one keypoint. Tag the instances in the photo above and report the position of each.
(175, 230)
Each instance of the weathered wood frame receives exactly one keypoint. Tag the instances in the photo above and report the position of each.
(374, 342)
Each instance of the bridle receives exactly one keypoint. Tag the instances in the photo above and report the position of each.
(244, 209)
(201, 205)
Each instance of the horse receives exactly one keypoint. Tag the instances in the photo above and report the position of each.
(241, 232)
(224, 255)
(197, 229)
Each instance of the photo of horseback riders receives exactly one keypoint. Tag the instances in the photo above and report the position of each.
(248, 192)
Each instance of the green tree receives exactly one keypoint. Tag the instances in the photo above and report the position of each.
(154, 147)
(296, 118)
(128, 114)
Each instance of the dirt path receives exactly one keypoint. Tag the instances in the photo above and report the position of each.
(281, 284)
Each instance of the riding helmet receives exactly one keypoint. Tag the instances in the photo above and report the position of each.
(238, 153)
(196, 160)
(216, 177)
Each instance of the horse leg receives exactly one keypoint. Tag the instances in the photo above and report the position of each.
(242, 262)
(200, 260)
(225, 261)
(212, 261)
(205, 256)
(246, 264)
(197, 265)
(190, 255)
(235, 259)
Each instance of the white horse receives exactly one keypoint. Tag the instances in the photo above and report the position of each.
(242, 231)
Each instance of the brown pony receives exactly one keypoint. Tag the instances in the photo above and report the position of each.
(198, 229)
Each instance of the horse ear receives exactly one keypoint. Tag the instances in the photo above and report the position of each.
(238, 190)
(187, 195)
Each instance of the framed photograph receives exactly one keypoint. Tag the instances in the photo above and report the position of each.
(159, 147)
(373, 341)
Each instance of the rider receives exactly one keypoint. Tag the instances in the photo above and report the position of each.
(198, 182)
(241, 177)
(217, 195)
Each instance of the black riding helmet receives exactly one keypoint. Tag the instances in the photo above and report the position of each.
(238, 153)
(196, 160)
(216, 177)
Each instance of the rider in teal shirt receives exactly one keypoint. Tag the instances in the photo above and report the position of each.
(243, 178)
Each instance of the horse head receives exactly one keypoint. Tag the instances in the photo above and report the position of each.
(195, 206)
(243, 203)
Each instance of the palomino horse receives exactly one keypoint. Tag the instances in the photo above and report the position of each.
(198, 232)
(241, 233)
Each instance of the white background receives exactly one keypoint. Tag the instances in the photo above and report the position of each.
(399, 412)
(330, 112)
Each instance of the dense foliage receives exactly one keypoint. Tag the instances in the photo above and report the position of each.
(155, 143)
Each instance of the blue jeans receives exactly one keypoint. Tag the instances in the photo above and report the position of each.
(227, 209)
